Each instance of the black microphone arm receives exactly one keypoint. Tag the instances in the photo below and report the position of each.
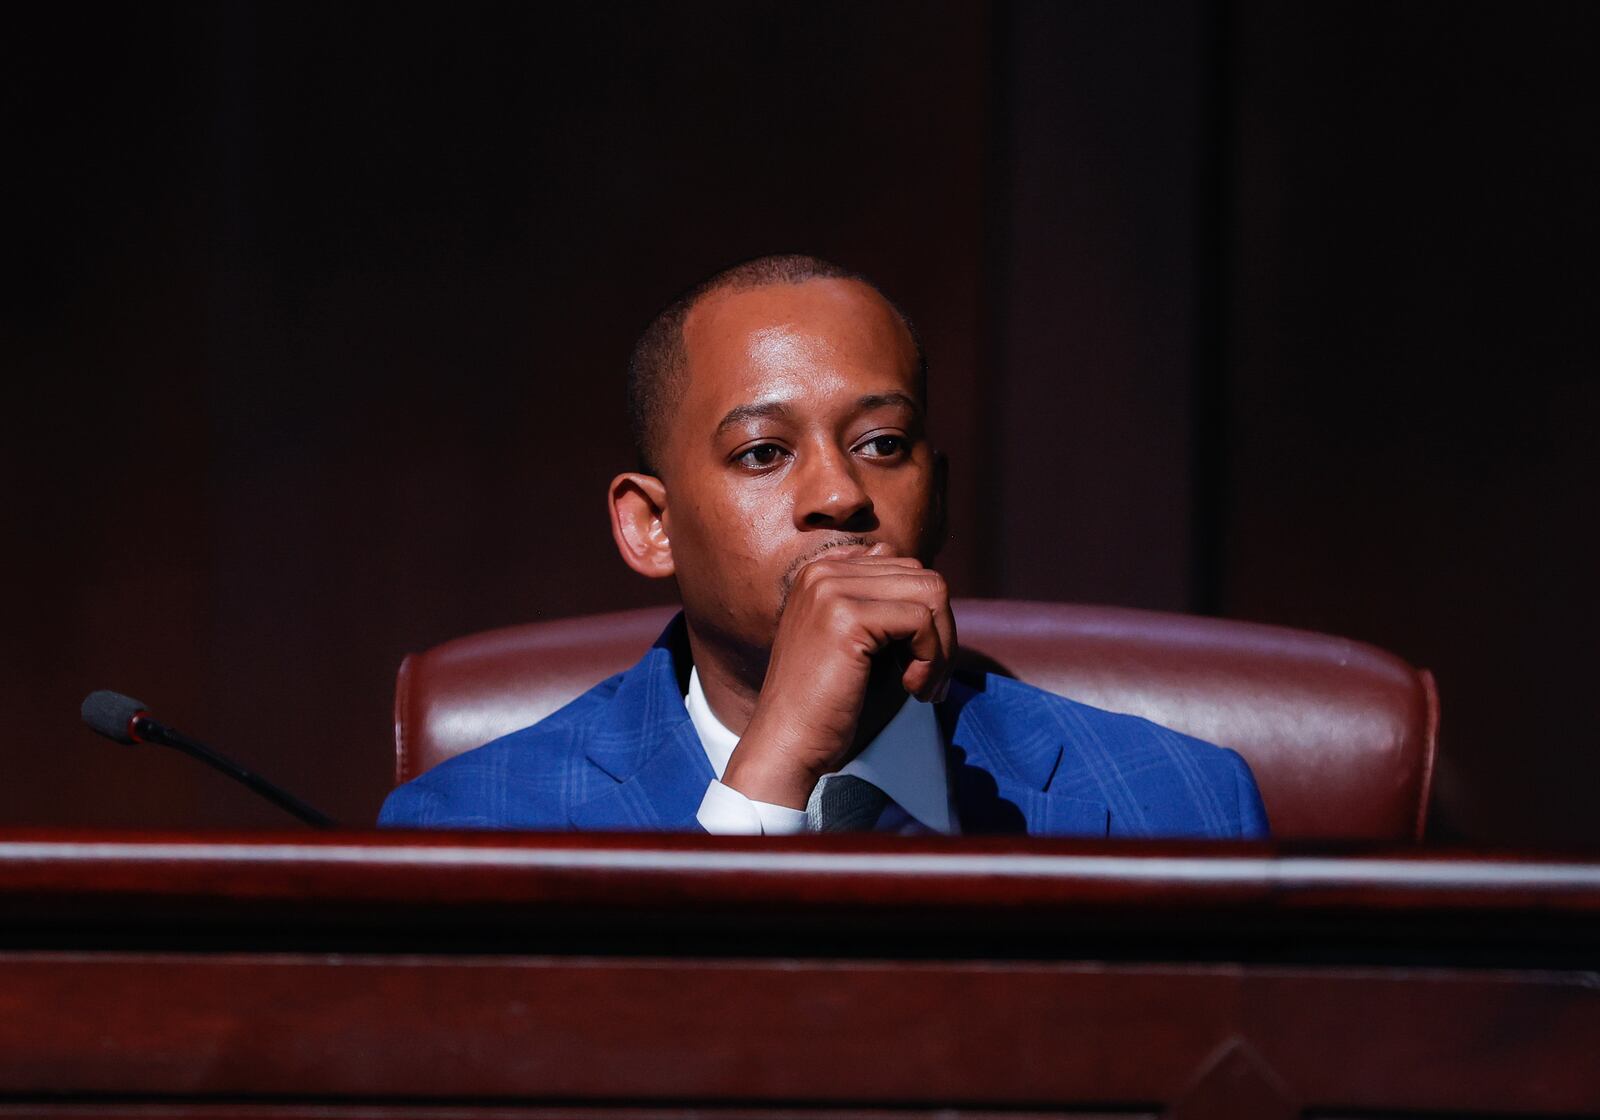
(124, 720)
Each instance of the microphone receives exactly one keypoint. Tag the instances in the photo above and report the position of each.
(125, 720)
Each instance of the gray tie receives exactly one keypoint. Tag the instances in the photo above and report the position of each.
(844, 803)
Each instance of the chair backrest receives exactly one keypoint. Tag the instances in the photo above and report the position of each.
(1341, 735)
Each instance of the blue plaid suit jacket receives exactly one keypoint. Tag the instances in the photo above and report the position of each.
(624, 756)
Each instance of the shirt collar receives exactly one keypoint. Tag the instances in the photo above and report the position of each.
(714, 737)
(906, 760)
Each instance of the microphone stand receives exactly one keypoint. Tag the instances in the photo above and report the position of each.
(143, 727)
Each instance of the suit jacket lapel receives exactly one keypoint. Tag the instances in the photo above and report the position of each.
(1002, 764)
(648, 747)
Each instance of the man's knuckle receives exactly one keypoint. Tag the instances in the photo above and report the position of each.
(820, 583)
(839, 614)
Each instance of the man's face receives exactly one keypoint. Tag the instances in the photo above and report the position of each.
(800, 430)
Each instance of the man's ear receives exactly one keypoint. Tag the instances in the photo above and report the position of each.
(638, 503)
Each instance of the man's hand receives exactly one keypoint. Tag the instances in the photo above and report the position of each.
(850, 615)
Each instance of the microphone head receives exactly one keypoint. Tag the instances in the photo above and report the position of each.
(111, 714)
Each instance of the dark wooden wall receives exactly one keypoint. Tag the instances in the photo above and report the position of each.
(318, 315)
(1410, 383)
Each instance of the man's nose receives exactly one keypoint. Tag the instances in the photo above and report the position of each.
(831, 494)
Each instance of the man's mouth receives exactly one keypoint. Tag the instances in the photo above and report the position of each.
(853, 546)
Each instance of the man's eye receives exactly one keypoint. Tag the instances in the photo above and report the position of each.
(883, 447)
(761, 455)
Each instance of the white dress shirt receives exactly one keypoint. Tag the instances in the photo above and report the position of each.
(906, 761)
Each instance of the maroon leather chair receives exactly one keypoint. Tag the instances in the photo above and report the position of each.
(1341, 735)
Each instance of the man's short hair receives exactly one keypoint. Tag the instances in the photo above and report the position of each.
(659, 361)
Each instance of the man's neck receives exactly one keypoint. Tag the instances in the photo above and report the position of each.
(730, 679)
(729, 697)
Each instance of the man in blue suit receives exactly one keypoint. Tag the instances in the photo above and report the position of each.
(787, 487)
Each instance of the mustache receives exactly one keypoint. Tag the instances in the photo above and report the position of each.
(786, 585)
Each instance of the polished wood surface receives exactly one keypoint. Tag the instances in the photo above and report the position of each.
(661, 976)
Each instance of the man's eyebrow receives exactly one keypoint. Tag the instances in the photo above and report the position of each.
(881, 400)
(752, 412)
(779, 410)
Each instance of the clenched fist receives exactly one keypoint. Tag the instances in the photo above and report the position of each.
(860, 630)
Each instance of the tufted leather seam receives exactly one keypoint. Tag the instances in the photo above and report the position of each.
(402, 699)
(1430, 748)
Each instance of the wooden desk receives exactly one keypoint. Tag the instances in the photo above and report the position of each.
(437, 975)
